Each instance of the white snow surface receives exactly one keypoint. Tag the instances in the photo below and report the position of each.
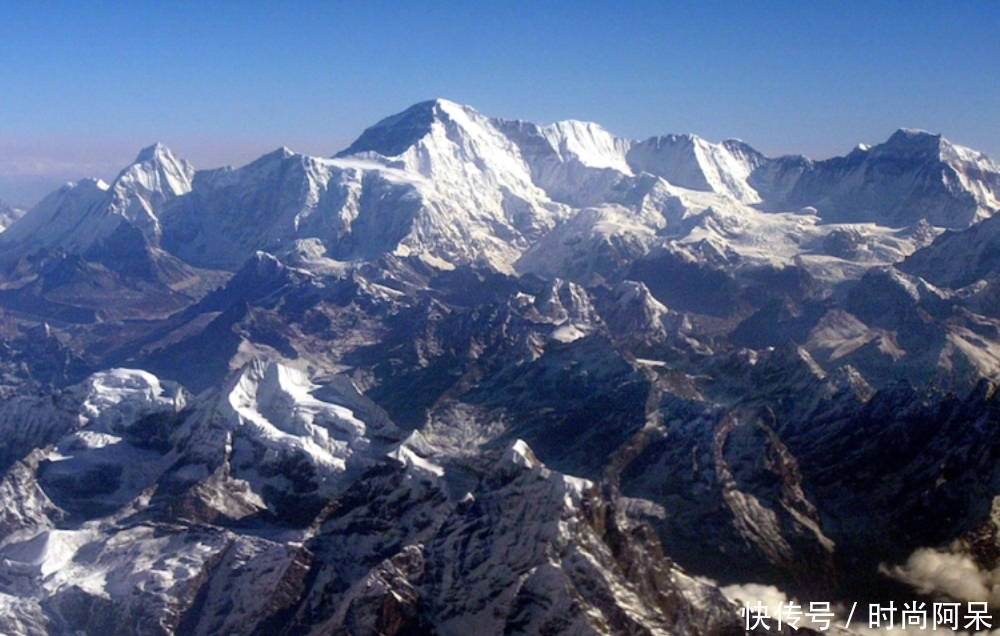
(273, 405)
(690, 162)
(115, 399)
(81, 214)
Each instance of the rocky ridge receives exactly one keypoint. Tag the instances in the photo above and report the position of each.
(476, 374)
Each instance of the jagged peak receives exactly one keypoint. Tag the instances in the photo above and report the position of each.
(156, 168)
(913, 139)
(673, 138)
(279, 154)
(735, 142)
(87, 184)
(444, 106)
(263, 163)
(629, 292)
(578, 125)
(688, 161)
(916, 142)
(791, 356)
(737, 147)
(731, 144)
(114, 398)
(435, 107)
(393, 135)
(156, 152)
(913, 133)
(263, 266)
(247, 378)
(587, 142)
(520, 454)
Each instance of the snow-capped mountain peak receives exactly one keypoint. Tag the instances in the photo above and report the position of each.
(911, 176)
(154, 152)
(444, 183)
(118, 397)
(140, 190)
(56, 218)
(394, 135)
(909, 134)
(430, 136)
(587, 143)
(913, 144)
(471, 178)
(157, 169)
(447, 142)
(691, 162)
(82, 214)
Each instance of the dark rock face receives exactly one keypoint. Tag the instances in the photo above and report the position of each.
(393, 135)
(829, 501)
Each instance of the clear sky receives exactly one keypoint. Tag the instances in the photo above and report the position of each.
(85, 85)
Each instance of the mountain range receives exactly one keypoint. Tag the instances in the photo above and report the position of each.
(473, 374)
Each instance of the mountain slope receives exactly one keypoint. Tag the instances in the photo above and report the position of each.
(78, 216)
(914, 175)
(478, 375)
(9, 214)
(446, 184)
(693, 163)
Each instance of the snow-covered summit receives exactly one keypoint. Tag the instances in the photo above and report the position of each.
(273, 415)
(689, 161)
(450, 186)
(119, 397)
(53, 220)
(562, 158)
(158, 169)
(79, 215)
(911, 176)
(573, 162)
(392, 135)
(453, 145)
(588, 143)
(156, 176)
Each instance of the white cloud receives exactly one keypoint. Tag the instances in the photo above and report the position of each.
(931, 568)
(957, 576)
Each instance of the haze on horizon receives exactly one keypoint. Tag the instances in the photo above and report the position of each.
(87, 86)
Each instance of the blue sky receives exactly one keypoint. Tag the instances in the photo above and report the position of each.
(85, 85)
